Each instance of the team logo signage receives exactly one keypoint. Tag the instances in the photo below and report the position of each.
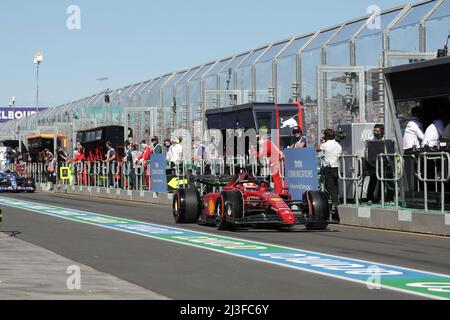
(158, 173)
(301, 171)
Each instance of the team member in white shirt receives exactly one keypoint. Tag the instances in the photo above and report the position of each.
(175, 152)
(414, 132)
(332, 150)
(412, 140)
(433, 134)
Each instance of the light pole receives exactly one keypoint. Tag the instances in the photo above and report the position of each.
(105, 101)
(13, 105)
(38, 58)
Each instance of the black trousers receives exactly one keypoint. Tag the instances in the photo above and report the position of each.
(331, 179)
(410, 170)
(374, 190)
(132, 179)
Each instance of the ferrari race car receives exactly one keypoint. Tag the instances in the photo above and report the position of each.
(246, 201)
(12, 182)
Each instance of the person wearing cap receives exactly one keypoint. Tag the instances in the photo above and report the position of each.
(301, 141)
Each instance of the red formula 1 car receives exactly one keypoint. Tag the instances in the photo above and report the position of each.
(246, 201)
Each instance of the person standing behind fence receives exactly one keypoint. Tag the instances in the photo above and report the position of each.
(166, 146)
(301, 141)
(157, 148)
(143, 160)
(62, 158)
(51, 168)
(166, 149)
(374, 189)
(61, 155)
(332, 151)
(433, 134)
(9, 155)
(211, 151)
(79, 154)
(17, 155)
(198, 150)
(47, 155)
(109, 162)
(411, 142)
(78, 158)
(130, 165)
(175, 152)
(414, 132)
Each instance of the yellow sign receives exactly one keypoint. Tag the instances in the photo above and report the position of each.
(65, 173)
(175, 183)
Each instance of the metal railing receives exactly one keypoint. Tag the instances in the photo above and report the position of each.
(382, 173)
(356, 174)
(442, 177)
(433, 171)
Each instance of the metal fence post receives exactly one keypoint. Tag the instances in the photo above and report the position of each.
(355, 177)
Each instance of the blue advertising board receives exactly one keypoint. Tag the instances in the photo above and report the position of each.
(301, 171)
(158, 173)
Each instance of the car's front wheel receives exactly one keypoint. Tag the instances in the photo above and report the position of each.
(186, 205)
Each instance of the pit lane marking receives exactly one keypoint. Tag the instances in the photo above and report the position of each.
(406, 280)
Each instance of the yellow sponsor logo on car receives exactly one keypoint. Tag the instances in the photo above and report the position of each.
(212, 206)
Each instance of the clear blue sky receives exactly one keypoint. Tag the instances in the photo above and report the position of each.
(135, 40)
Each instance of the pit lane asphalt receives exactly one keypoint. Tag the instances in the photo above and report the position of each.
(182, 272)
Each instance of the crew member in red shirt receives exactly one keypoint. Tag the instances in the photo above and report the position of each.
(143, 160)
(269, 150)
(78, 158)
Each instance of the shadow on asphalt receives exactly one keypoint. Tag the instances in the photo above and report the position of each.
(250, 231)
(11, 234)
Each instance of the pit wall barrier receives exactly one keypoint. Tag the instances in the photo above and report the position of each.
(385, 216)
(149, 197)
(416, 221)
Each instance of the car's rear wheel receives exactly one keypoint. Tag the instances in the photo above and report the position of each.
(317, 209)
(186, 206)
(229, 208)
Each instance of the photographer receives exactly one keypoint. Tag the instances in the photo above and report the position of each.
(332, 150)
